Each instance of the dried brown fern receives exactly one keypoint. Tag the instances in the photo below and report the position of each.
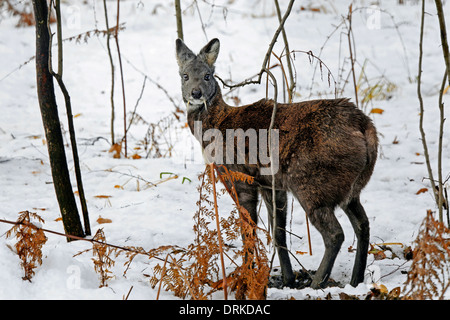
(101, 252)
(200, 256)
(195, 271)
(30, 240)
(102, 260)
(429, 277)
(251, 278)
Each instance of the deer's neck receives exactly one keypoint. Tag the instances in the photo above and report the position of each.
(210, 113)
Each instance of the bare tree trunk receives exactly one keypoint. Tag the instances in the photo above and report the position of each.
(50, 119)
(73, 140)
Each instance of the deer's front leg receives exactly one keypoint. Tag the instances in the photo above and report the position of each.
(280, 231)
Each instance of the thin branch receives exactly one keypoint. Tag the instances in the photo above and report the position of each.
(91, 240)
(288, 55)
(352, 60)
(133, 115)
(268, 53)
(321, 65)
(419, 94)
(441, 133)
(284, 76)
(272, 122)
(179, 19)
(116, 37)
(108, 37)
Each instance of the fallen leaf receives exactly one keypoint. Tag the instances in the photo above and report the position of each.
(77, 115)
(101, 220)
(101, 196)
(394, 293)
(310, 9)
(136, 156)
(422, 190)
(377, 110)
(380, 255)
(377, 253)
(116, 148)
(381, 287)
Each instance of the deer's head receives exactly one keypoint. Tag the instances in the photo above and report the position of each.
(198, 85)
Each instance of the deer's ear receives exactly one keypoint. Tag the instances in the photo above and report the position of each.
(210, 52)
(184, 54)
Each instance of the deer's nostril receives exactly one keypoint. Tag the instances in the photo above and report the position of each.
(196, 94)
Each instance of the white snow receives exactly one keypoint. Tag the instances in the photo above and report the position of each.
(148, 216)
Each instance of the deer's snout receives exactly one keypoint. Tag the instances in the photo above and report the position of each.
(196, 94)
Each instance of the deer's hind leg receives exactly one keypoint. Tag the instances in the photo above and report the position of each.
(324, 220)
(360, 224)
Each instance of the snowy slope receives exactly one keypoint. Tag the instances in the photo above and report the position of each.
(148, 216)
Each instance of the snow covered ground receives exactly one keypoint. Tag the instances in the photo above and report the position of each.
(153, 216)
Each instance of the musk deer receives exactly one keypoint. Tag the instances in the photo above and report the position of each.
(326, 154)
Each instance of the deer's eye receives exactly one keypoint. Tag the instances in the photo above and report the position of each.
(207, 77)
(185, 77)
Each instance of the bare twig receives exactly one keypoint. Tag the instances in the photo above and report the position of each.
(441, 134)
(116, 38)
(133, 114)
(201, 19)
(352, 60)
(291, 86)
(268, 53)
(285, 78)
(160, 87)
(322, 64)
(179, 19)
(108, 37)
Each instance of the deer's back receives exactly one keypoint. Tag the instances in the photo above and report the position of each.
(322, 143)
(311, 129)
